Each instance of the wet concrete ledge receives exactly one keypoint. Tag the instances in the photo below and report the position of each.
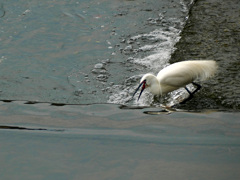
(213, 32)
(41, 116)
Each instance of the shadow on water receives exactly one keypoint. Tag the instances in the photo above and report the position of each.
(29, 129)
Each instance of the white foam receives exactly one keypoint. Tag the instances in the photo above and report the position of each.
(159, 57)
(160, 45)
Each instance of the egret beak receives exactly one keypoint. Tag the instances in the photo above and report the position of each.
(143, 84)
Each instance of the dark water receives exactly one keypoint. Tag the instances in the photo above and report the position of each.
(91, 55)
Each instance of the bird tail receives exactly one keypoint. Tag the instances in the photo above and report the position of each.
(205, 69)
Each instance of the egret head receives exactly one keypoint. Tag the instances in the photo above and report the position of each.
(148, 81)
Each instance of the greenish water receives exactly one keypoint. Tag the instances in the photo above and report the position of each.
(104, 142)
(81, 61)
(81, 52)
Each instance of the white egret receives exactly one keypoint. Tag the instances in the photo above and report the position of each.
(178, 75)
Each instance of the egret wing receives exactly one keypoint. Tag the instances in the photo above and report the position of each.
(176, 76)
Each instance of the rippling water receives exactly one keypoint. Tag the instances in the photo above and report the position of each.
(68, 70)
(81, 52)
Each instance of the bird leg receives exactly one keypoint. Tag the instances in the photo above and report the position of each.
(198, 87)
(189, 97)
(191, 93)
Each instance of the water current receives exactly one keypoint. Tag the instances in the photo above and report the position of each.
(71, 67)
(81, 52)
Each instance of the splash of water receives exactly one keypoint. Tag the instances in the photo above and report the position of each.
(159, 46)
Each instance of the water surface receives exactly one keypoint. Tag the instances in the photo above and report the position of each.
(67, 73)
(104, 142)
(81, 52)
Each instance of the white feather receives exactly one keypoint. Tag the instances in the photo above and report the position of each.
(179, 75)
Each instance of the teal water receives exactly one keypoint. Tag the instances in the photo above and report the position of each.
(104, 142)
(81, 52)
(81, 62)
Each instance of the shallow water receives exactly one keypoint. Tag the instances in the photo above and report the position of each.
(81, 52)
(105, 142)
(91, 55)
(75, 52)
